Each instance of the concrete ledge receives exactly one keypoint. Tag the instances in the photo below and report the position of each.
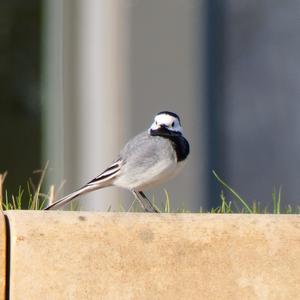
(2, 256)
(77, 255)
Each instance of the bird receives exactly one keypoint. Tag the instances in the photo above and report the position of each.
(147, 160)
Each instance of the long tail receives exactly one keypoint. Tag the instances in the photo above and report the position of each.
(104, 179)
(63, 201)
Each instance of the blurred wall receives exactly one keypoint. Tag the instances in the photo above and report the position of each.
(261, 93)
(84, 93)
(20, 109)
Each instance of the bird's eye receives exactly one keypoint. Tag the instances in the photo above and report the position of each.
(173, 124)
(155, 122)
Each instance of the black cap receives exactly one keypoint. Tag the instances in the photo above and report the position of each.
(169, 113)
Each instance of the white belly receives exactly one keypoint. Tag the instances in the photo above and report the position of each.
(153, 176)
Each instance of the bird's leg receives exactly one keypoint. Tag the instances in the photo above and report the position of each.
(140, 200)
(153, 208)
(144, 202)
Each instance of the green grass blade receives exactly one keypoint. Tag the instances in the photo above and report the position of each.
(167, 202)
(278, 207)
(233, 192)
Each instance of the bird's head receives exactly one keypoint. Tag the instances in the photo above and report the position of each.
(166, 123)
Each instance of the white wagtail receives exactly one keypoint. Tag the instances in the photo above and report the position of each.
(147, 160)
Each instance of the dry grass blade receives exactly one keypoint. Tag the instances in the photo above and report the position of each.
(51, 197)
(35, 201)
(2, 178)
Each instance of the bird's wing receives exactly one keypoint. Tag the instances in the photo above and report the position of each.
(108, 174)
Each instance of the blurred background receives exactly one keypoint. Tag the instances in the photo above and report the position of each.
(78, 78)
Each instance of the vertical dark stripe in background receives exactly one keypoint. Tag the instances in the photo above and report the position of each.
(214, 65)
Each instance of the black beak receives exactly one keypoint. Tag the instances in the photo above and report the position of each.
(163, 126)
(164, 131)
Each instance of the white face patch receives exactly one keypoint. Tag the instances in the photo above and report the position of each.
(171, 122)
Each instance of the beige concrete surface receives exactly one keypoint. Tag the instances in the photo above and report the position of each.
(2, 256)
(80, 255)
